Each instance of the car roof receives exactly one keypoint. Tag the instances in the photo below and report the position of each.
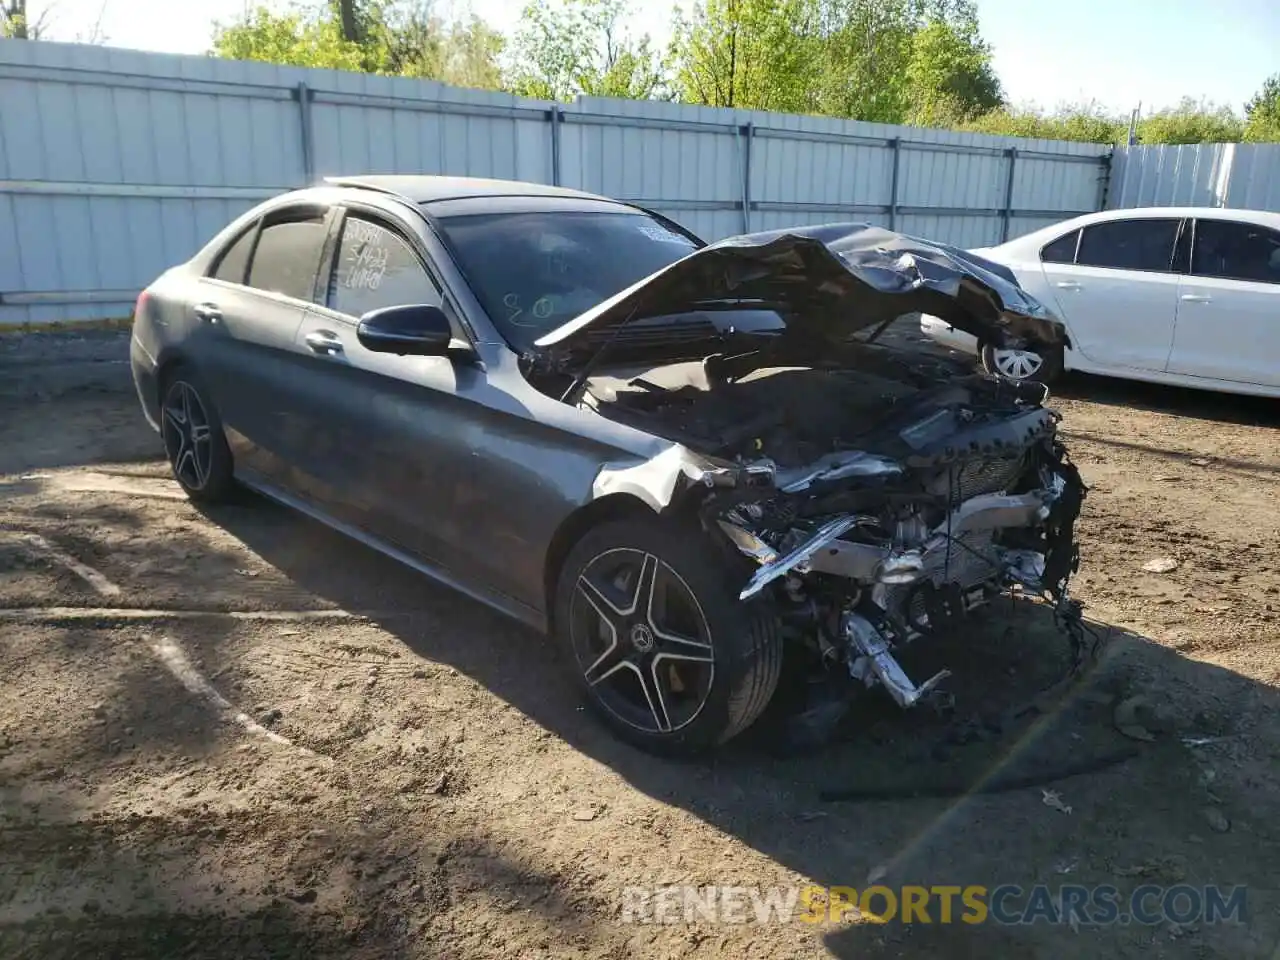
(1037, 238)
(434, 189)
(1263, 217)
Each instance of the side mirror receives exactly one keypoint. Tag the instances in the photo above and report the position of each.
(417, 329)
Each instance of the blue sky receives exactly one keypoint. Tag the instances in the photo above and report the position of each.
(1118, 52)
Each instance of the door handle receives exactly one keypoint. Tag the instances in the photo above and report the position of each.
(324, 342)
(1067, 285)
(1196, 298)
(208, 312)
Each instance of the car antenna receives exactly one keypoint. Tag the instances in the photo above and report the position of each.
(571, 395)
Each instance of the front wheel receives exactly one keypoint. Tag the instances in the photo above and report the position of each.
(665, 652)
(1022, 364)
(193, 438)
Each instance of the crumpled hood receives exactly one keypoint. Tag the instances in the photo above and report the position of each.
(829, 281)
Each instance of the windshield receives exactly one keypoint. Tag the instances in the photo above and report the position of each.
(533, 272)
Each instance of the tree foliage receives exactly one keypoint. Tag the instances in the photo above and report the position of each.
(949, 76)
(569, 47)
(745, 53)
(1087, 122)
(918, 62)
(1262, 112)
(390, 36)
(16, 22)
(891, 61)
(1191, 121)
(292, 39)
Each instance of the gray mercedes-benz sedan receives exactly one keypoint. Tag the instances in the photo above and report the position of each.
(697, 466)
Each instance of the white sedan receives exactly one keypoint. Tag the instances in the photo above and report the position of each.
(1185, 296)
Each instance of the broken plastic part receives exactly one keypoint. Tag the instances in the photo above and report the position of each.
(870, 649)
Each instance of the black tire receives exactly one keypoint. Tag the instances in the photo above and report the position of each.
(710, 690)
(194, 441)
(1050, 366)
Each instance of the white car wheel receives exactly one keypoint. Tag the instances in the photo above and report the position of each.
(1017, 364)
(1021, 364)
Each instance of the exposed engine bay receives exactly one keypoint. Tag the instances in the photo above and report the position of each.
(880, 498)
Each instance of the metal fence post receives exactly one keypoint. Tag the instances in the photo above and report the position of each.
(304, 95)
(553, 115)
(896, 146)
(1107, 162)
(1007, 213)
(748, 132)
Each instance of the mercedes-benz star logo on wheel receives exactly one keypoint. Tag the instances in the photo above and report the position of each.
(642, 638)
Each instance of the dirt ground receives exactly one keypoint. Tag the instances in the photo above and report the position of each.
(235, 734)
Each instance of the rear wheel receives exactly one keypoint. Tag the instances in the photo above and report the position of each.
(1022, 364)
(193, 438)
(664, 650)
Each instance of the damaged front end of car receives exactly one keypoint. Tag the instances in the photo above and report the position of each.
(878, 494)
(861, 552)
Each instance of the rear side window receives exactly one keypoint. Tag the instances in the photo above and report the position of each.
(1062, 250)
(1129, 245)
(235, 259)
(1236, 251)
(377, 268)
(287, 256)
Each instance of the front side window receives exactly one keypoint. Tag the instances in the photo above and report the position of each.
(533, 272)
(1129, 245)
(377, 268)
(287, 256)
(1236, 251)
(1062, 250)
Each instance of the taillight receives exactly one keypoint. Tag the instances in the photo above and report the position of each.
(141, 302)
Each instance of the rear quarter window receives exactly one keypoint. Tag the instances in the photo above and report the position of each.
(233, 262)
(1062, 250)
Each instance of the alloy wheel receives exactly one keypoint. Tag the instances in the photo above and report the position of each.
(641, 640)
(1017, 364)
(187, 435)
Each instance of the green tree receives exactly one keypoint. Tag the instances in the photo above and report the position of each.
(949, 74)
(399, 38)
(890, 61)
(1085, 122)
(16, 22)
(1262, 113)
(292, 39)
(755, 54)
(1191, 121)
(862, 50)
(465, 52)
(569, 47)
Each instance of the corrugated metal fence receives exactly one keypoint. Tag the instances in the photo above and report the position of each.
(1202, 175)
(115, 164)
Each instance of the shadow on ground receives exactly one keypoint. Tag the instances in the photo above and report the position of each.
(1179, 401)
(1144, 797)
